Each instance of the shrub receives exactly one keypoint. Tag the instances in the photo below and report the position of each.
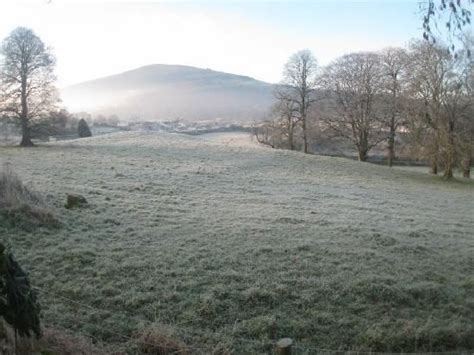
(160, 340)
(83, 129)
(60, 341)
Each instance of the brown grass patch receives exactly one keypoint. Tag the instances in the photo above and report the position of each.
(56, 341)
(160, 340)
(20, 207)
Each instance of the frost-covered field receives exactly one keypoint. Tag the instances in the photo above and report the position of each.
(228, 241)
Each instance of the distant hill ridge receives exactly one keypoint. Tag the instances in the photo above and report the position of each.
(162, 73)
(164, 92)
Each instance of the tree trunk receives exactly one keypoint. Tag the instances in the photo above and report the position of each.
(303, 112)
(434, 153)
(466, 166)
(391, 147)
(290, 138)
(434, 160)
(26, 137)
(434, 167)
(24, 119)
(450, 154)
(448, 171)
(362, 154)
(466, 173)
(362, 145)
(305, 138)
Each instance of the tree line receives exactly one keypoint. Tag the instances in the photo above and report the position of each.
(368, 98)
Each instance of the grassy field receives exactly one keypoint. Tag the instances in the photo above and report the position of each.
(229, 243)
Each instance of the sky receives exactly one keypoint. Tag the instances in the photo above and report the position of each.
(92, 39)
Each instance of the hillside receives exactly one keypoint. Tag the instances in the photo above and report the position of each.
(167, 92)
(235, 245)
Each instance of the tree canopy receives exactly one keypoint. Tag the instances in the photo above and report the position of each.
(26, 80)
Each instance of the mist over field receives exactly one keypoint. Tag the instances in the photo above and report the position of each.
(166, 92)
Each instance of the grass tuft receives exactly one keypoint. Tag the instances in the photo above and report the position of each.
(160, 340)
(20, 207)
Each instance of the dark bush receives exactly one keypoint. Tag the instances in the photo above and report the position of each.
(83, 129)
(18, 304)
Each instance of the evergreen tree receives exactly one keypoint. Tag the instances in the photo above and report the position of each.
(83, 129)
(18, 304)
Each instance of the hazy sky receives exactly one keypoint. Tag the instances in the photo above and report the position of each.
(96, 38)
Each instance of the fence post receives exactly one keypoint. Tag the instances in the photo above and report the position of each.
(283, 346)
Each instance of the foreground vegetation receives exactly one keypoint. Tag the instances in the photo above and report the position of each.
(231, 246)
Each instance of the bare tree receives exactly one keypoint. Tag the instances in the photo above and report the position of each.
(266, 132)
(353, 85)
(26, 80)
(429, 65)
(287, 114)
(467, 141)
(435, 84)
(460, 107)
(440, 84)
(299, 81)
(456, 104)
(394, 67)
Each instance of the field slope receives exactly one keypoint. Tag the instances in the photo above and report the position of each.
(239, 244)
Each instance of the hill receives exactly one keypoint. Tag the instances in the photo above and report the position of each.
(231, 243)
(167, 92)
